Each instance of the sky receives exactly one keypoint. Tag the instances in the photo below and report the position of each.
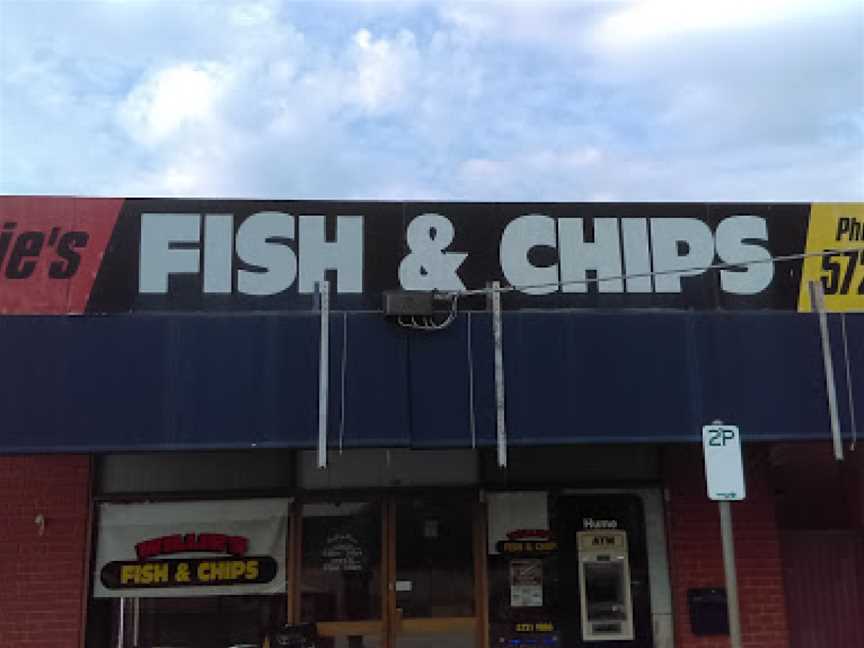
(661, 100)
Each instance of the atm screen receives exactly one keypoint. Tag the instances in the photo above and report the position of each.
(604, 589)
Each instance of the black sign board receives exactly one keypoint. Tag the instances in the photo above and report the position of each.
(128, 255)
(229, 255)
(193, 572)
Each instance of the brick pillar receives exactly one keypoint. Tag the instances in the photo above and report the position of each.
(42, 577)
(696, 558)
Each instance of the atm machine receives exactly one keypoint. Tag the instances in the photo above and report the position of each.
(604, 586)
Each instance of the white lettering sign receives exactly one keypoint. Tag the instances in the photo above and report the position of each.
(671, 248)
(724, 469)
(270, 252)
(264, 257)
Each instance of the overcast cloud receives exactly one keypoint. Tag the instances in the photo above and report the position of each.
(679, 100)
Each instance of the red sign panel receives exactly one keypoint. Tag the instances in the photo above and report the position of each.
(51, 250)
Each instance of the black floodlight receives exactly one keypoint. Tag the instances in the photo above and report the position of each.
(399, 303)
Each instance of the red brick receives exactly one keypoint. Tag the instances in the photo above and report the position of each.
(696, 558)
(43, 577)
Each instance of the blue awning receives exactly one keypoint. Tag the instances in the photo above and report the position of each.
(158, 382)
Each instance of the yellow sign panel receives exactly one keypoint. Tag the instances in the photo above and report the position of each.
(598, 540)
(837, 228)
(181, 572)
(545, 546)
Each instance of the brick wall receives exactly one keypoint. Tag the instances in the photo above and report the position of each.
(696, 553)
(42, 578)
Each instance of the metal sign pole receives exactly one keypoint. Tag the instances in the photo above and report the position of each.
(499, 375)
(323, 372)
(724, 479)
(817, 303)
(734, 611)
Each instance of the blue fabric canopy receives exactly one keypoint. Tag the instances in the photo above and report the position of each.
(151, 382)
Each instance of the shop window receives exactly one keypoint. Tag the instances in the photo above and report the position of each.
(193, 574)
(201, 622)
(568, 569)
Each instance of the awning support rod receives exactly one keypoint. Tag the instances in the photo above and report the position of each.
(817, 300)
(853, 423)
(323, 371)
(499, 375)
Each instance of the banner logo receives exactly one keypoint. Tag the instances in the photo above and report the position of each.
(185, 573)
(232, 547)
(179, 573)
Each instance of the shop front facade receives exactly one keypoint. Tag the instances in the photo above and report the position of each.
(210, 453)
(394, 547)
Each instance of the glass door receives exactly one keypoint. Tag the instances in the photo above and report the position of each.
(391, 572)
(433, 595)
(341, 579)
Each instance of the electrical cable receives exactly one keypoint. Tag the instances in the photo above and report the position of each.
(430, 323)
(653, 273)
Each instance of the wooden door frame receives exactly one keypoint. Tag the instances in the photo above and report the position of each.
(295, 522)
(389, 551)
(389, 618)
(481, 573)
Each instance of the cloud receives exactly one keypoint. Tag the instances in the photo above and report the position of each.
(174, 98)
(522, 101)
(637, 23)
(382, 70)
(516, 176)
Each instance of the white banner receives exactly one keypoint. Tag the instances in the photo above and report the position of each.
(515, 512)
(205, 548)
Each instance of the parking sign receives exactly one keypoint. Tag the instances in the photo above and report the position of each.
(724, 469)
